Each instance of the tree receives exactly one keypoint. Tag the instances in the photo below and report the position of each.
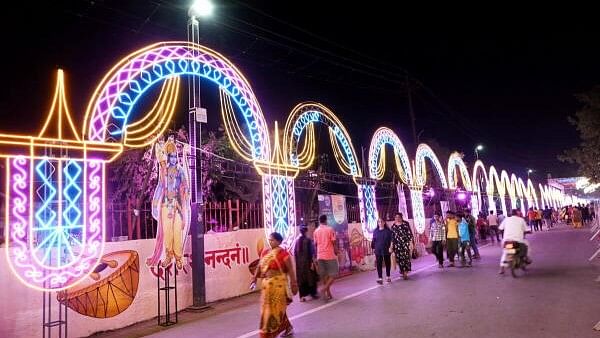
(134, 174)
(587, 123)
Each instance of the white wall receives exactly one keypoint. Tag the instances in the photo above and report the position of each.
(21, 307)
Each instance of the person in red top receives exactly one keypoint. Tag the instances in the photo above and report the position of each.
(531, 214)
(325, 241)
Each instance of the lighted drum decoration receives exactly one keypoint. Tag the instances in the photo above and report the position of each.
(55, 200)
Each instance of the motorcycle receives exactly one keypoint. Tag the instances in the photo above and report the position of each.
(512, 257)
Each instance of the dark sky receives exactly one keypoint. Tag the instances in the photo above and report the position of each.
(506, 79)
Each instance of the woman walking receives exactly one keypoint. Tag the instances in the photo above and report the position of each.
(306, 273)
(382, 240)
(402, 243)
(275, 267)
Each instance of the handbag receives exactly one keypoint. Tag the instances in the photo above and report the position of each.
(415, 253)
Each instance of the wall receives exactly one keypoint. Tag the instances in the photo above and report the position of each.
(227, 258)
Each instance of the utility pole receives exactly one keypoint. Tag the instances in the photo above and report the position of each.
(411, 111)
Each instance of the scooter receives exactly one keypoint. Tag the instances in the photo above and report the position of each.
(512, 257)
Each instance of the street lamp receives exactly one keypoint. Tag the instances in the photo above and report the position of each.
(478, 149)
(529, 171)
(196, 116)
(201, 8)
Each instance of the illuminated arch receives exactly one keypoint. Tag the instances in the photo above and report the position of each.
(382, 137)
(301, 121)
(454, 161)
(514, 191)
(497, 183)
(385, 136)
(530, 193)
(479, 168)
(109, 112)
(425, 152)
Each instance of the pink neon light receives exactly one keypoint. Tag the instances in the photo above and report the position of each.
(22, 250)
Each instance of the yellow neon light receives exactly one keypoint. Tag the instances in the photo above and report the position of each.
(406, 173)
(14, 144)
(145, 131)
(58, 108)
(306, 156)
(454, 161)
(233, 130)
(107, 77)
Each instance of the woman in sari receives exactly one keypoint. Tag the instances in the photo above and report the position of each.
(306, 273)
(275, 267)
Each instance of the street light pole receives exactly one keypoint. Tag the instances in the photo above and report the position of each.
(477, 149)
(196, 116)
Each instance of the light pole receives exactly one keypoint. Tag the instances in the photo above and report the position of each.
(196, 115)
(529, 171)
(477, 150)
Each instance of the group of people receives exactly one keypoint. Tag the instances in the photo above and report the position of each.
(315, 259)
(457, 233)
(578, 215)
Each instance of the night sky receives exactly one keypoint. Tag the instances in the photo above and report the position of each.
(488, 76)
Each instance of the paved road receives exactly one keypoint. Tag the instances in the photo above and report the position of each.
(557, 298)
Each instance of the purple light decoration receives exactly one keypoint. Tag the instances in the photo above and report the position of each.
(461, 196)
(42, 252)
(431, 192)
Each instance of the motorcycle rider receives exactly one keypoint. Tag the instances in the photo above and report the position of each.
(514, 230)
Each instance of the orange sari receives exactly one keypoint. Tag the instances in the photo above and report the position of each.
(273, 318)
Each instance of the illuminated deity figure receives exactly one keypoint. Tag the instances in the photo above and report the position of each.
(170, 205)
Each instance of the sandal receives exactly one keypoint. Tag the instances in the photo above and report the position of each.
(289, 332)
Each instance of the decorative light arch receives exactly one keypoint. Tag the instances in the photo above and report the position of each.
(496, 183)
(301, 122)
(382, 137)
(110, 109)
(425, 152)
(531, 194)
(478, 167)
(454, 161)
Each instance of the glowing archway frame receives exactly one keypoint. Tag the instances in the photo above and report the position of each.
(382, 137)
(288, 160)
(416, 193)
(301, 121)
(549, 196)
(110, 109)
(526, 192)
(479, 168)
(425, 152)
(55, 200)
(496, 183)
(455, 160)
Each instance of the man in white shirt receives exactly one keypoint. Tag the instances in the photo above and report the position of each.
(514, 230)
(492, 221)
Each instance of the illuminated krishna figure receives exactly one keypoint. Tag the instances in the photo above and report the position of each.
(170, 205)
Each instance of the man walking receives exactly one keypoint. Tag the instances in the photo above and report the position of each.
(437, 235)
(493, 223)
(325, 241)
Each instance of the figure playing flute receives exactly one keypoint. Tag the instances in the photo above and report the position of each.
(170, 205)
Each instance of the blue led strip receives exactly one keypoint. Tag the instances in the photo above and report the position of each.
(160, 71)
